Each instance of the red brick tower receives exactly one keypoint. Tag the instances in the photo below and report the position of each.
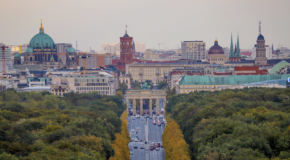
(126, 55)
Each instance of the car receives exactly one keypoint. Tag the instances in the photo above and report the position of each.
(135, 146)
(131, 153)
(158, 144)
(132, 131)
(136, 140)
(145, 142)
(151, 148)
(141, 140)
(138, 128)
(141, 147)
(157, 148)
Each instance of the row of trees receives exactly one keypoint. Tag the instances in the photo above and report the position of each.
(120, 144)
(39, 125)
(174, 144)
(234, 124)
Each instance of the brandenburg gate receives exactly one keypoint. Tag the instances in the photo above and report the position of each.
(145, 94)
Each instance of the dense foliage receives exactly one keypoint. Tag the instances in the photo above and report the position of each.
(38, 125)
(120, 144)
(174, 144)
(234, 124)
(162, 85)
(123, 87)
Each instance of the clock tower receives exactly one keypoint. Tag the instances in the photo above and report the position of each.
(126, 52)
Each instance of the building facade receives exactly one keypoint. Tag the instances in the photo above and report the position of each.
(235, 56)
(151, 54)
(193, 50)
(216, 54)
(59, 90)
(126, 56)
(41, 50)
(85, 84)
(62, 47)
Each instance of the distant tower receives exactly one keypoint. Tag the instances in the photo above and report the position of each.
(235, 56)
(126, 55)
(133, 49)
(231, 48)
(261, 58)
(259, 27)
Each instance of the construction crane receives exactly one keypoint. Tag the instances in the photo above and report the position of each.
(159, 46)
(3, 59)
(84, 57)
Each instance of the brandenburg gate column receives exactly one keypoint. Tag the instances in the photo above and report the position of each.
(127, 102)
(157, 106)
(164, 105)
(150, 107)
(134, 107)
(141, 106)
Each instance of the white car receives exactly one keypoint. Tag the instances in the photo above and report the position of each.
(136, 140)
(132, 131)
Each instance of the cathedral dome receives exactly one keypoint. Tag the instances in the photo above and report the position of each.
(17, 55)
(71, 50)
(260, 37)
(216, 49)
(29, 50)
(42, 40)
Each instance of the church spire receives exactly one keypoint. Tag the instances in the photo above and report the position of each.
(126, 35)
(238, 47)
(41, 29)
(231, 48)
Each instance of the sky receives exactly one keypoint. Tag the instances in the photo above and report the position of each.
(92, 22)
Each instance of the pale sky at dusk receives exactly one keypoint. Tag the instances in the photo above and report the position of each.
(92, 22)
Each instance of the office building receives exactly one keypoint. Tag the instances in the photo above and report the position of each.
(102, 82)
(62, 47)
(193, 50)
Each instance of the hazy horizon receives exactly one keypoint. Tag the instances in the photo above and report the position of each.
(151, 22)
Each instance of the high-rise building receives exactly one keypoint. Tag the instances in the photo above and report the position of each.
(113, 48)
(261, 49)
(140, 47)
(62, 47)
(193, 50)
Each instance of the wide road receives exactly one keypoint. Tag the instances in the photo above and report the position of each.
(138, 153)
(147, 131)
(155, 134)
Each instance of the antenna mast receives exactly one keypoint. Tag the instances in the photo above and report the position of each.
(259, 27)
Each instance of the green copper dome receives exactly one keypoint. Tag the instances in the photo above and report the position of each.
(51, 58)
(17, 55)
(29, 50)
(42, 40)
(71, 50)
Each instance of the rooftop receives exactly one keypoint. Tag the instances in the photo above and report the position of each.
(228, 80)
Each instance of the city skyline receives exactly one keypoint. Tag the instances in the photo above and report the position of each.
(150, 22)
